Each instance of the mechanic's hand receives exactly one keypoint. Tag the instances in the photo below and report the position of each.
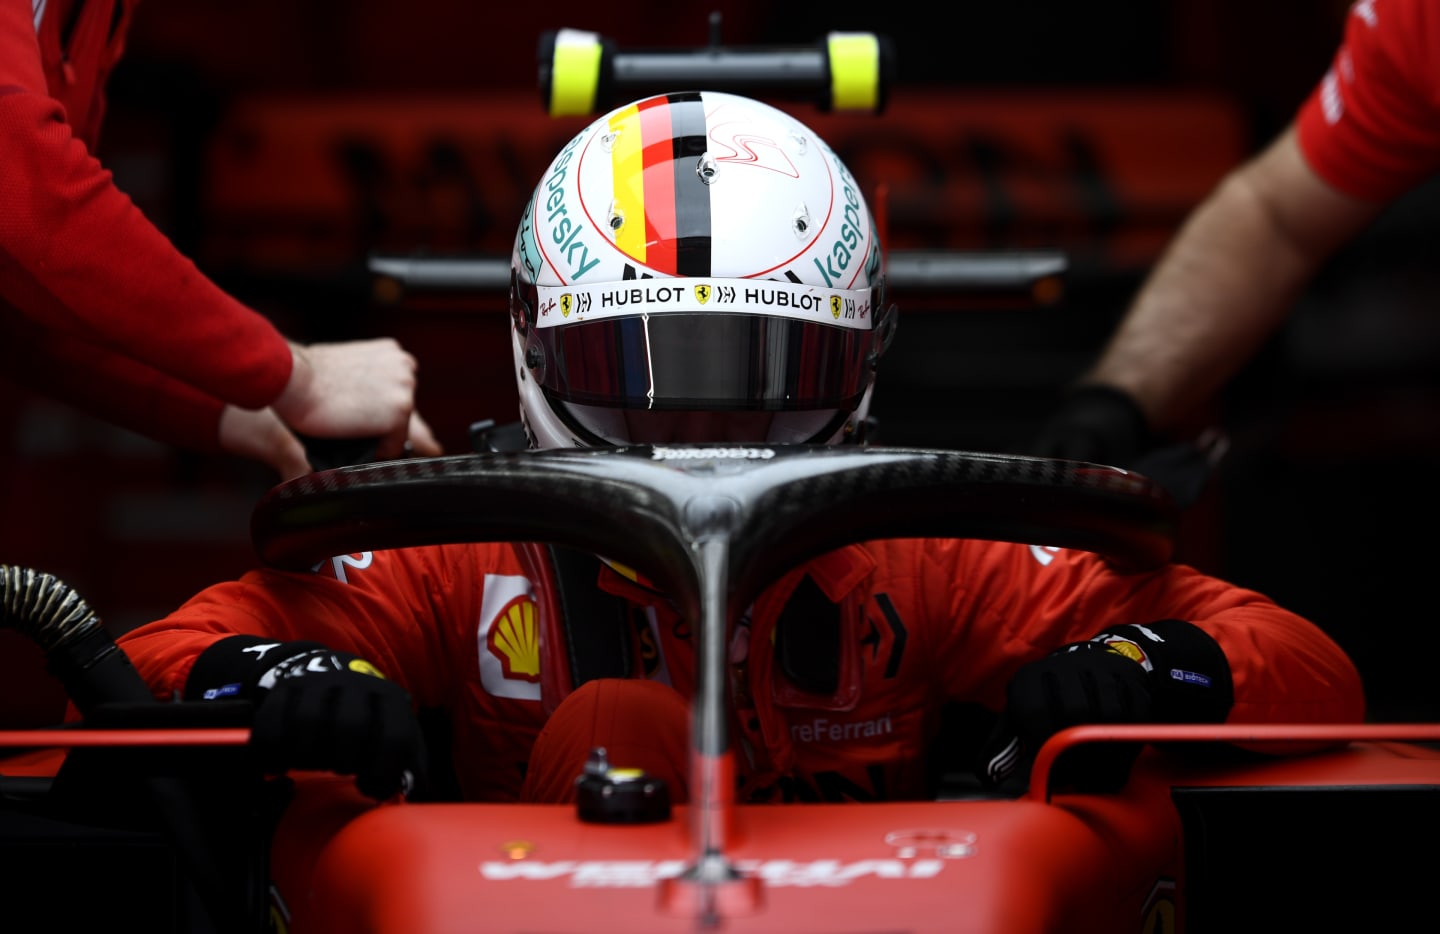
(1087, 682)
(260, 435)
(318, 709)
(1184, 468)
(357, 389)
(1095, 423)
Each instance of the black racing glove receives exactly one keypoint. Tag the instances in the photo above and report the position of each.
(1104, 425)
(1169, 671)
(1095, 423)
(316, 708)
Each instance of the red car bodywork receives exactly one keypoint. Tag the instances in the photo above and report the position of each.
(1041, 862)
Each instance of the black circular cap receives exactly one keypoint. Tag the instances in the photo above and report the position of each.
(622, 796)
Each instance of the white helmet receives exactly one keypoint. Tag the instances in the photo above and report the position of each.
(696, 267)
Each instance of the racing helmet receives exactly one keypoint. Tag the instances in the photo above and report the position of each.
(696, 266)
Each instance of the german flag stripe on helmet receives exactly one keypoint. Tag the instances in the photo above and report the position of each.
(665, 188)
(625, 159)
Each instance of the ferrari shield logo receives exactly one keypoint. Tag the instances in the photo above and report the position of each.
(835, 307)
(567, 305)
(702, 293)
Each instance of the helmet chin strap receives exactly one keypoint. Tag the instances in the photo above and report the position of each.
(852, 430)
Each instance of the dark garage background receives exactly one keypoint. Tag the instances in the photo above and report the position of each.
(283, 143)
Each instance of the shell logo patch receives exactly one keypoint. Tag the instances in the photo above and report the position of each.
(515, 640)
(363, 667)
(509, 638)
(1128, 649)
(1159, 908)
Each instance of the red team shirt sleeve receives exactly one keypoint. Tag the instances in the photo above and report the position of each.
(79, 258)
(87, 376)
(1371, 128)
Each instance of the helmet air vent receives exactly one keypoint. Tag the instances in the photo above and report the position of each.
(706, 169)
(800, 221)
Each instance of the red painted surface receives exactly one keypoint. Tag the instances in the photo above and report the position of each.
(1074, 863)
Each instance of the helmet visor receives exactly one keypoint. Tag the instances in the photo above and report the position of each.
(704, 362)
(718, 344)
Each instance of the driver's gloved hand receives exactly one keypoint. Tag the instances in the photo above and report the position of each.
(1082, 683)
(1095, 423)
(1168, 671)
(316, 708)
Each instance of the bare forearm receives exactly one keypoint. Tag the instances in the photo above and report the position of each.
(1223, 286)
(1227, 282)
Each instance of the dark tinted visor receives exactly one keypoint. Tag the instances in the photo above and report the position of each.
(704, 361)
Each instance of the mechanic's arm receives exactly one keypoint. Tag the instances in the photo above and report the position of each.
(362, 389)
(128, 393)
(1365, 135)
(132, 395)
(1227, 282)
(77, 256)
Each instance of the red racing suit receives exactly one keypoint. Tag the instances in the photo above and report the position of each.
(97, 307)
(919, 623)
(1371, 127)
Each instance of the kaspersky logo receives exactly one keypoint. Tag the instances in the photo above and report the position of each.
(509, 637)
